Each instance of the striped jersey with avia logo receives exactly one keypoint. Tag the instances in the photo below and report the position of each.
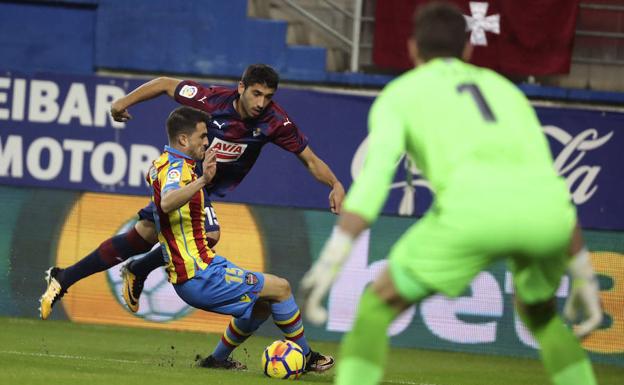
(181, 232)
(238, 142)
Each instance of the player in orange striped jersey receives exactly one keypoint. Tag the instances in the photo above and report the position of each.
(244, 119)
(201, 278)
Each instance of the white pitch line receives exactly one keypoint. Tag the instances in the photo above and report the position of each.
(67, 356)
(70, 357)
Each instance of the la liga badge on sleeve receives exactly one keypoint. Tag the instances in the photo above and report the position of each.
(188, 92)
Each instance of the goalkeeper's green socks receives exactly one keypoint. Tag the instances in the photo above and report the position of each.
(564, 359)
(364, 349)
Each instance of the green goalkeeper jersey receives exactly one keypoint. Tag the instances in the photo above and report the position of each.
(463, 126)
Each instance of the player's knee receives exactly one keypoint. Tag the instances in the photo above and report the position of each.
(284, 289)
(212, 237)
(275, 288)
(384, 288)
(536, 315)
(280, 289)
(147, 230)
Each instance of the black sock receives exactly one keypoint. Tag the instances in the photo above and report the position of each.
(141, 267)
(111, 252)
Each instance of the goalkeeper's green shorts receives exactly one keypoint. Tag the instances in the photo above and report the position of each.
(462, 235)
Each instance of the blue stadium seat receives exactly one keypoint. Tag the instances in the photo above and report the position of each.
(47, 38)
(207, 37)
(195, 37)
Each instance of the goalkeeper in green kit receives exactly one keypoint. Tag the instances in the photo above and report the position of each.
(477, 140)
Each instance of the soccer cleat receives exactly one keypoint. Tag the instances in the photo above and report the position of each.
(53, 293)
(131, 288)
(317, 362)
(211, 363)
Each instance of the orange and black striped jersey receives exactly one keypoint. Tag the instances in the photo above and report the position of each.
(181, 232)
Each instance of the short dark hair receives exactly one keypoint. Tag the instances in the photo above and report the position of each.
(183, 120)
(439, 30)
(260, 74)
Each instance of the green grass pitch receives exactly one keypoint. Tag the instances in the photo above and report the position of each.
(53, 352)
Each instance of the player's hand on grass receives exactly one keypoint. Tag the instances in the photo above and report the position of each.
(316, 283)
(119, 112)
(583, 302)
(209, 165)
(336, 196)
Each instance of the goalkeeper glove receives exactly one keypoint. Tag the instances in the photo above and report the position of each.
(317, 281)
(584, 298)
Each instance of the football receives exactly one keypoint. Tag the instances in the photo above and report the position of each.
(283, 359)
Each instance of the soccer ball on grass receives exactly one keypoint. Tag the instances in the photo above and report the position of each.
(283, 359)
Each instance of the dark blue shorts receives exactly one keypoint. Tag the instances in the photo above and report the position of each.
(212, 224)
(222, 288)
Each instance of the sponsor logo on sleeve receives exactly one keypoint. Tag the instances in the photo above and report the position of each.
(173, 176)
(227, 151)
(188, 91)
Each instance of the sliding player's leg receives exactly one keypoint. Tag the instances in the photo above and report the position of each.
(132, 285)
(250, 297)
(222, 287)
(287, 317)
(235, 334)
(140, 239)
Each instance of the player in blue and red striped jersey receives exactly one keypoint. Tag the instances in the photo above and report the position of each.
(243, 120)
(202, 279)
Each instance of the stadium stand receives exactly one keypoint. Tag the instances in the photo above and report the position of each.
(152, 36)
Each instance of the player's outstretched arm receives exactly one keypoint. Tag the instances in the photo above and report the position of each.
(146, 91)
(321, 172)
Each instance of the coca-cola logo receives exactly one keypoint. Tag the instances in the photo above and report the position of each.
(568, 162)
(581, 177)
